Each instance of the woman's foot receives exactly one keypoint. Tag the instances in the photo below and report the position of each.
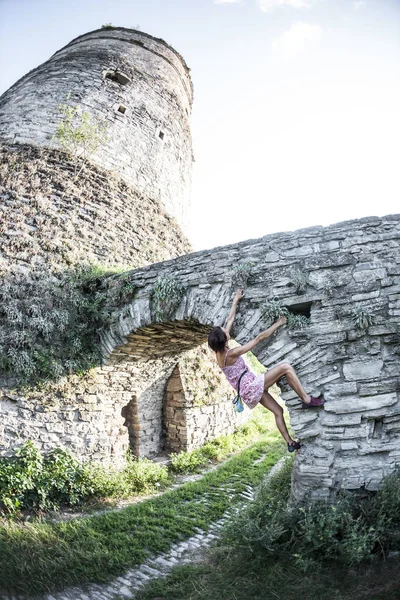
(293, 445)
(319, 401)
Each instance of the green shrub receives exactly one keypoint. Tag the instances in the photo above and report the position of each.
(272, 310)
(79, 133)
(50, 321)
(187, 462)
(300, 280)
(221, 447)
(166, 295)
(349, 529)
(241, 274)
(298, 321)
(31, 481)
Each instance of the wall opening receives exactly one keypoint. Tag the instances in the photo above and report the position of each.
(117, 77)
(122, 109)
(377, 428)
(161, 135)
(303, 308)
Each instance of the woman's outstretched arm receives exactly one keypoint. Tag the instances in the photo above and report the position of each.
(231, 316)
(235, 352)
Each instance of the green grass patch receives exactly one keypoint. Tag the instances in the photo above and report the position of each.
(229, 576)
(261, 423)
(41, 557)
(318, 551)
(32, 483)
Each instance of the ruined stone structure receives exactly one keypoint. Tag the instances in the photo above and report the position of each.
(146, 392)
(353, 441)
(126, 210)
(139, 86)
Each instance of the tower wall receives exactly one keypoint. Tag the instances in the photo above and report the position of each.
(108, 71)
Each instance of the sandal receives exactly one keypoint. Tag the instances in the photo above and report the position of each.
(314, 402)
(293, 446)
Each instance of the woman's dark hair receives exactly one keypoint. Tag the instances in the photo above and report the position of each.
(217, 339)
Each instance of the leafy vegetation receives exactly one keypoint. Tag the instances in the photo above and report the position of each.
(30, 481)
(50, 321)
(41, 557)
(300, 280)
(349, 530)
(272, 310)
(221, 447)
(362, 317)
(319, 551)
(166, 294)
(241, 274)
(79, 133)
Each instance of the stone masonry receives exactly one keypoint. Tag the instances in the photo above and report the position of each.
(126, 210)
(354, 440)
(189, 425)
(135, 83)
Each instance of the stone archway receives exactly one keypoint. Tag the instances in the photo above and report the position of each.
(352, 442)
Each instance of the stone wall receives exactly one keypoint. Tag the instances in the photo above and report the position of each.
(139, 86)
(353, 441)
(96, 417)
(45, 218)
(189, 423)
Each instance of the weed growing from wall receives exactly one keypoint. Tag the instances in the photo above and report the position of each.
(300, 280)
(241, 274)
(362, 317)
(272, 310)
(80, 134)
(166, 296)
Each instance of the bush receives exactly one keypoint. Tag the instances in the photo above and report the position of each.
(349, 530)
(50, 321)
(31, 481)
(241, 274)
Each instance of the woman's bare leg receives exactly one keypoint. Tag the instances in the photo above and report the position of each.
(286, 369)
(268, 402)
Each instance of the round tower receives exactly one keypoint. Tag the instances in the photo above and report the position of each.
(139, 85)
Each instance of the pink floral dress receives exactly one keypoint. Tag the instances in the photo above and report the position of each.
(251, 385)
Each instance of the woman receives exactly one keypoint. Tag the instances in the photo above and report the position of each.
(254, 389)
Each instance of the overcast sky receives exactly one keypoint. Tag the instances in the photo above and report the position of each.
(296, 118)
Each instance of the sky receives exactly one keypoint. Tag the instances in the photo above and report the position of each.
(296, 118)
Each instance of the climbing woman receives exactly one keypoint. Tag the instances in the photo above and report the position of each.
(253, 388)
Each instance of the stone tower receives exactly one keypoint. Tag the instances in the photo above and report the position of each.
(139, 85)
(125, 208)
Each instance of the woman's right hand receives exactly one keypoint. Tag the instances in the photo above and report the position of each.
(239, 295)
(281, 321)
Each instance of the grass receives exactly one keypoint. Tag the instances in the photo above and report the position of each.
(261, 423)
(255, 558)
(227, 576)
(41, 557)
